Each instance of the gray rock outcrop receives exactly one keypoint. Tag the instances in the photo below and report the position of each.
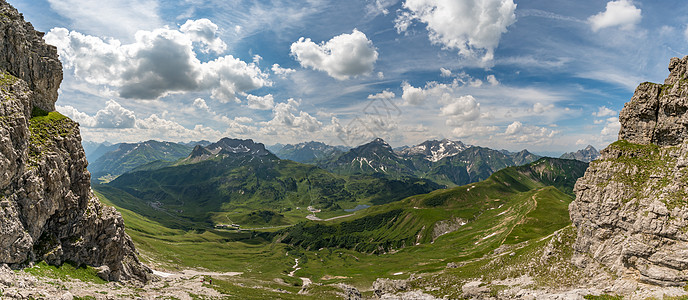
(630, 210)
(657, 112)
(47, 209)
(24, 54)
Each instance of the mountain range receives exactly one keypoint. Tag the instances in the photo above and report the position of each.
(233, 178)
(307, 152)
(587, 154)
(445, 162)
(128, 156)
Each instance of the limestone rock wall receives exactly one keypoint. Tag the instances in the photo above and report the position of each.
(47, 209)
(25, 55)
(631, 207)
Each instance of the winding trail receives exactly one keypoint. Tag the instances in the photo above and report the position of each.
(185, 273)
(314, 218)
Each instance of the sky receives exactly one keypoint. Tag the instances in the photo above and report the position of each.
(549, 76)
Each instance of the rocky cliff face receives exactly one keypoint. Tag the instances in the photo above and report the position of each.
(47, 209)
(631, 208)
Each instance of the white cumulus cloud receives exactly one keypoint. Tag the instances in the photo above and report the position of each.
(281, 72)
(445, 72)
(603, 111)
(461, 109)
(619, 13)
(115, 122)
(342, 57)
(473, 27)
(412, 95)
(287, 117)
(112, 116)
(383, 95)
(519, 133)
(261, 102)
(540, 108)
(612, 127)
(205, 32)
(492, 80)
(158, 63)
(200, 104)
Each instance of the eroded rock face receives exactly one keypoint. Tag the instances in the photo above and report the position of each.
(47, 209)
(630, 209)
(657, 112)
(24, 54)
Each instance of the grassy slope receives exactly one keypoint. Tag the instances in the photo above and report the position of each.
(218, 250)
(506, 209)
(413, 220)
(512, 210)
(212, 192)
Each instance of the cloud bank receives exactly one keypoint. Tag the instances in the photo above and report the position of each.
(158, 63)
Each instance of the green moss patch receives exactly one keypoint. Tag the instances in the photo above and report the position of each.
(66, 271)
(640, 163)
(44, 127)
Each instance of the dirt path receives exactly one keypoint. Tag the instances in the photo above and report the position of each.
(194, 273)
(314, 218)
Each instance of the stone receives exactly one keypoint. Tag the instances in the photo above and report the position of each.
(48, 210)
(383, 286)
(103, 272)
(657, 112)
(350, 292)
(630, 211)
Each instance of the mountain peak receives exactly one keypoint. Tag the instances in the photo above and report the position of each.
(434, 150)
(656, 112)
(380, 141)
(587, 154)
(228, 147)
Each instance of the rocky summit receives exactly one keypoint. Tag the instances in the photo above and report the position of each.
(630, 210)
(47, 208)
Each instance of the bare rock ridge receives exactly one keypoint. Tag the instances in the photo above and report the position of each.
(657, 112)
(630, 210)
(47, 209)
(24, 54)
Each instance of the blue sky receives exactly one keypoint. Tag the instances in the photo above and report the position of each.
(549, 76)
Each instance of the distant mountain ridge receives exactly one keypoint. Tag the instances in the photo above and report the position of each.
(446, 162)
(228, 147)
(587, 154)
(442, 161)
(306, 152)
(96, 150)
(128, 156)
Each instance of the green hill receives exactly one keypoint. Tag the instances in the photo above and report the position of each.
(513, 219)
(535, 196)
(222, 182)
